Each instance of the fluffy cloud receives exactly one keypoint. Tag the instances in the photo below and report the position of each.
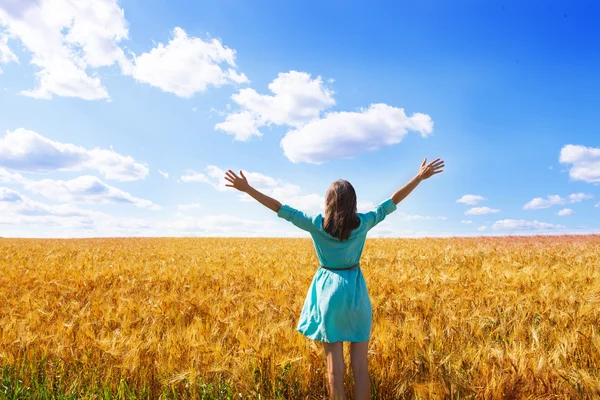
(481, 211)
(585, 162)
(564, 212)
(578, 197)
(364, 206)
(298, 101)
(482, 228)
(347, 134)
(213, 176)
(22, 205)
(539, 202)
(466, 221)
(242, 125)
(523, 225)
(6, 55)
(65, 220)
(164, 174)
(9, 195)
(25, 150)
(470, 199)
(552, 200)
(65, 38)
(84, 189)
(186, 65)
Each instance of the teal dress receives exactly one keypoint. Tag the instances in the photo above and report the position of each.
(337, 306)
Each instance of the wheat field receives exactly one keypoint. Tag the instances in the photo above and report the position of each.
(454, 318)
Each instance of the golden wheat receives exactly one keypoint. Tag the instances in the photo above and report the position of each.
(452, 318)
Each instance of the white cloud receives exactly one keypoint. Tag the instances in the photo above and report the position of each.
(215, 177)
(585, 162)
(188, 207)
(466, 221)
(365, 206)
(566, 211)
(597, 205)
(523, 225)
(192, 176)
(470, 199)
(65, 38)
(539, 203)
(296, 99)
(24, 206)
(417, 217)
(69, 40)
(578, 197)
(187, 65)
(164, 174)
(346, 134)
(482, 228)
(481, 211)
(21, 216)
(25, 150)
(84, 189)
(6, 55)
(9, 195)
(9, 177)
(242, 125)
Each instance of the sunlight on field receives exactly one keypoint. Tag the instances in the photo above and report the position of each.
(176, 318)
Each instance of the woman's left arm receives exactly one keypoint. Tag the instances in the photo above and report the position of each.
(242, 185)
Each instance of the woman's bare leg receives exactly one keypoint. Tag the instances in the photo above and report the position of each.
(334, 352)
(360, 370)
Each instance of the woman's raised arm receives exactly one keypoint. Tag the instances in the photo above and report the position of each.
(242, 185)
(426, 171)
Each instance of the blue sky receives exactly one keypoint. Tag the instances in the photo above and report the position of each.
(98, 99)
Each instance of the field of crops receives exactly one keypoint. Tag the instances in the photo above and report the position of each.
(515, 317)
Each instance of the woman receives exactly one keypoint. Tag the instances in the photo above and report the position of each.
(337, 307)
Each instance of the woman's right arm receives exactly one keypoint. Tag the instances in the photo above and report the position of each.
(426, 171)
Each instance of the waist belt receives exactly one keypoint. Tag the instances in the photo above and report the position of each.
(341, 269)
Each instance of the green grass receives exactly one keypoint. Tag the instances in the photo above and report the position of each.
(52, 379)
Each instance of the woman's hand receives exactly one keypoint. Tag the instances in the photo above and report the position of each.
(240, 184)
(434, 167)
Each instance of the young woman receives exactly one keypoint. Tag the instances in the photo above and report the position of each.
(337, 307)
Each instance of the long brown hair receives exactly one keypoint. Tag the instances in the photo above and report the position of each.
(340, 210)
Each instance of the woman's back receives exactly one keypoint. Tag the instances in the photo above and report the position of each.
(331, 251)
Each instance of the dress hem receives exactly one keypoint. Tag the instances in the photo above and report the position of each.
(320, 338)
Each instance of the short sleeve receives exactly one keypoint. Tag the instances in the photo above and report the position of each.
(296, 217)
(374, 217)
